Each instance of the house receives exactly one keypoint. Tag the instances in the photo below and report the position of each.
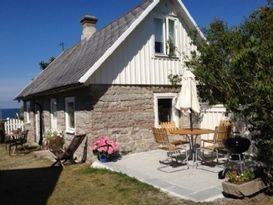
(115, 81)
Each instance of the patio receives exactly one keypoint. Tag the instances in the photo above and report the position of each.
(198, 184)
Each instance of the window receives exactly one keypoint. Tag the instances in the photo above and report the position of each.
(70, 114)
(164, 108)
(53, 113)
(27, 112)
(165, 36)
(171, 37)
(159, 36)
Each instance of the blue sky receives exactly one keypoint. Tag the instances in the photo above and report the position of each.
(31, 31)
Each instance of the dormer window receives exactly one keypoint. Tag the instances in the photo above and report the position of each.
(159, 36)
(165, 36)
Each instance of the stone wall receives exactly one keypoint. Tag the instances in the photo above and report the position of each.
(125, 113)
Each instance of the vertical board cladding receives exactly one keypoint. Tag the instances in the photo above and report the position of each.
(134, 62)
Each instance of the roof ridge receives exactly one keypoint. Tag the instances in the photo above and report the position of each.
(120, 17)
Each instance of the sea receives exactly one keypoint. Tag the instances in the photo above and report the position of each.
(8, 113)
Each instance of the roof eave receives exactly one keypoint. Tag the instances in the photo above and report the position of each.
(52, 91)
(191, 20)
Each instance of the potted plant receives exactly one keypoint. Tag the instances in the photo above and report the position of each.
(105, 148)
(54, 140)
(242, 184)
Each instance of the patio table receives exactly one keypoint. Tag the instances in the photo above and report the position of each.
(193, 133)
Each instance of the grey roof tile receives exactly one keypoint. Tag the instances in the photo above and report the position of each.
(73, 63)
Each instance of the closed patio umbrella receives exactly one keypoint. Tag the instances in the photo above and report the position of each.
(187, 100)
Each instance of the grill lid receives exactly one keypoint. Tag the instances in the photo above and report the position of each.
(237, 144)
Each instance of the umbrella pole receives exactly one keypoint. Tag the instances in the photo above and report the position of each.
(191, 124)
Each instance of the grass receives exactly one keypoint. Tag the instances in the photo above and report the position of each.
(25, 178)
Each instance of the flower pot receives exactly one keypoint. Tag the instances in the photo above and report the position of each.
(243, 190)
(103, 158)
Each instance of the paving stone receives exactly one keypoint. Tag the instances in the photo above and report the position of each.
(207, 195)
(194, 183)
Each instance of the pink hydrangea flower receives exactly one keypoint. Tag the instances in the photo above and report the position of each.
(104, 145)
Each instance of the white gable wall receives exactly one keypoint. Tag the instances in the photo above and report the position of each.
(135, 63)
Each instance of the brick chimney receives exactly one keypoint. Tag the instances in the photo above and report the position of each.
(88, 26)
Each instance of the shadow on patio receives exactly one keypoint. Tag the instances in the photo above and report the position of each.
(28, 186)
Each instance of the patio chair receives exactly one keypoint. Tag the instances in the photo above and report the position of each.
(222, 132)
(9, 138)
(169, 126)
(61, 156)
(18, 139)
(177, 155)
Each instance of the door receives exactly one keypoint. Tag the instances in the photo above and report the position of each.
(37, 125)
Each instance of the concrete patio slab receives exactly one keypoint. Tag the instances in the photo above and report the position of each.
(199, 184)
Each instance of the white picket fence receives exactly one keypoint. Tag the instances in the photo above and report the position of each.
(13, 124)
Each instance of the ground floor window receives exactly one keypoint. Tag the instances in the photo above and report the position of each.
(70, 114)
(53, 114)
(164, 108)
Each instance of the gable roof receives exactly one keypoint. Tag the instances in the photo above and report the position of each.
(75, 65)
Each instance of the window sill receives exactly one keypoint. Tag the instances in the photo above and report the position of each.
(164, 56)
(70, 131)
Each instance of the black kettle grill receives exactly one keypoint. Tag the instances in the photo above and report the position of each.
(237, 144)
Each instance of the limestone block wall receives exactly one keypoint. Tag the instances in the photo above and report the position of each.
(125, 113)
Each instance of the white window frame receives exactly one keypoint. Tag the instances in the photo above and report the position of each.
(166, 35)
(53, 119)
(68, 129)
(28, 112)
(172, 96)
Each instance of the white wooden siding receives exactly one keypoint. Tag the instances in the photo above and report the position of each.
(134, 61)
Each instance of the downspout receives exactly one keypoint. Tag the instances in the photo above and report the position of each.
(41, 123)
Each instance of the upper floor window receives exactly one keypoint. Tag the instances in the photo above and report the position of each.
(165, 36)
(159, 36)
(53, 113)
(70, 114)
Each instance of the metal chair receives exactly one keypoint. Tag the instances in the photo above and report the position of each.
(20, 139)
(177, 155)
